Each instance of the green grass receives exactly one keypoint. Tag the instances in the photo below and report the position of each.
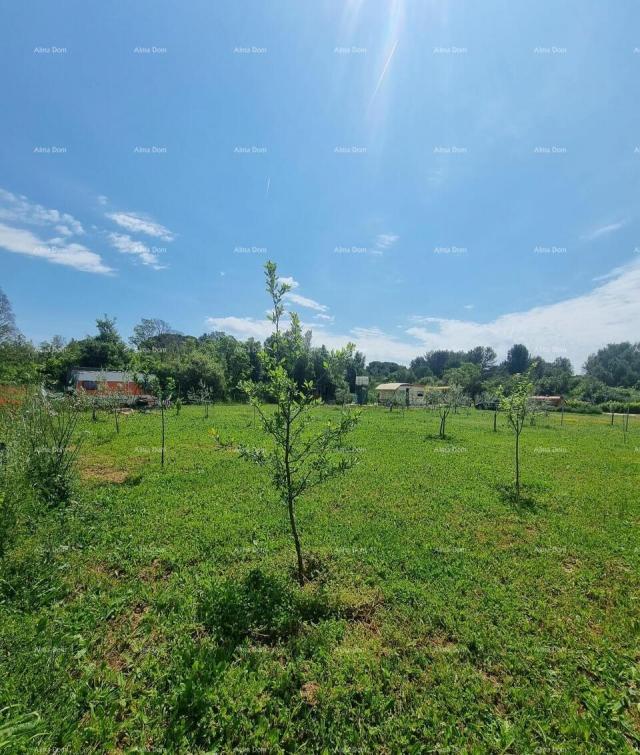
(159, 611)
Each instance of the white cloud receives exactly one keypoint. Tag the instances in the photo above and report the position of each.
(57, 251)
(573, 328)
(103, 200)
(604, 230)
(19, 209)
(126, 245)
(383, 242)
(304, 301)
(241, 327)
(326, 318)
(301, 301)
(138, 223)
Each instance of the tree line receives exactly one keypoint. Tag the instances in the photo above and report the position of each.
(221, 363)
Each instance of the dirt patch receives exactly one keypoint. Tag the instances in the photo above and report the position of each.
(155, 571)
(104, 473)
(117, 647)
(443, 644)
(360, 606)
(309, 693)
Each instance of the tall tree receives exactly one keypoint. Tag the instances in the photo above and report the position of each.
(616, 364)
(147, 329)
(517, 359)
(8, 330)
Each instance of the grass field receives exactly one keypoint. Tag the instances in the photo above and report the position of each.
(159, 613)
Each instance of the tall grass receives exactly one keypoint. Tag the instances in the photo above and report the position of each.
(50, 446)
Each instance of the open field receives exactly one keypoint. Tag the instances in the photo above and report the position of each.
(158, 612)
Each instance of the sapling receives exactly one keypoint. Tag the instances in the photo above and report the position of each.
(202, 395)
(445, 402)
(163, 393)
(300, 457)
(111, 399)
(516, 407)
(491, 400)
(625, 424)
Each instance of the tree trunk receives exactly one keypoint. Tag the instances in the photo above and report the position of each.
(93, 414)
(162, 415)
(518, 466)
(115, 414)
(290, 506)
(296, 540)
(495, 422)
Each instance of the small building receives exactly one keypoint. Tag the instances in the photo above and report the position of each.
(417, 395)
(550, 400)
(393, 393)
(106, 381)
(407, 394)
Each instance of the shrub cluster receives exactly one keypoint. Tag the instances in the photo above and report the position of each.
(620, 407)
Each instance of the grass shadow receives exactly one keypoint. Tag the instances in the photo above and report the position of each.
(261, 607)
(524, 502)
(437, 436)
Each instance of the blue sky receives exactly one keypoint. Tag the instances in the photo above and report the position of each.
(428, 174)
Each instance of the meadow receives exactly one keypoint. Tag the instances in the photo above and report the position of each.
(158, 611)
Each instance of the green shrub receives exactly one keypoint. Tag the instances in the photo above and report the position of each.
(262, 607)
(581, 407)
(47, 431)
(620, 407)
(10, 476)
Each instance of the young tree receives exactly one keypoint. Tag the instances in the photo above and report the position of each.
(89, 400)
(276, 288)
(202, 395)
(444, 402)
(536, 407)
(491, 400)
(111, 399)
(300, 458)
(162, 390)
(516, 406)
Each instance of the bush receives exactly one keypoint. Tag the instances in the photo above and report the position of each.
(581, 407)
(262, 607)
(620, 407)
(10, 475)
(47, 429)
